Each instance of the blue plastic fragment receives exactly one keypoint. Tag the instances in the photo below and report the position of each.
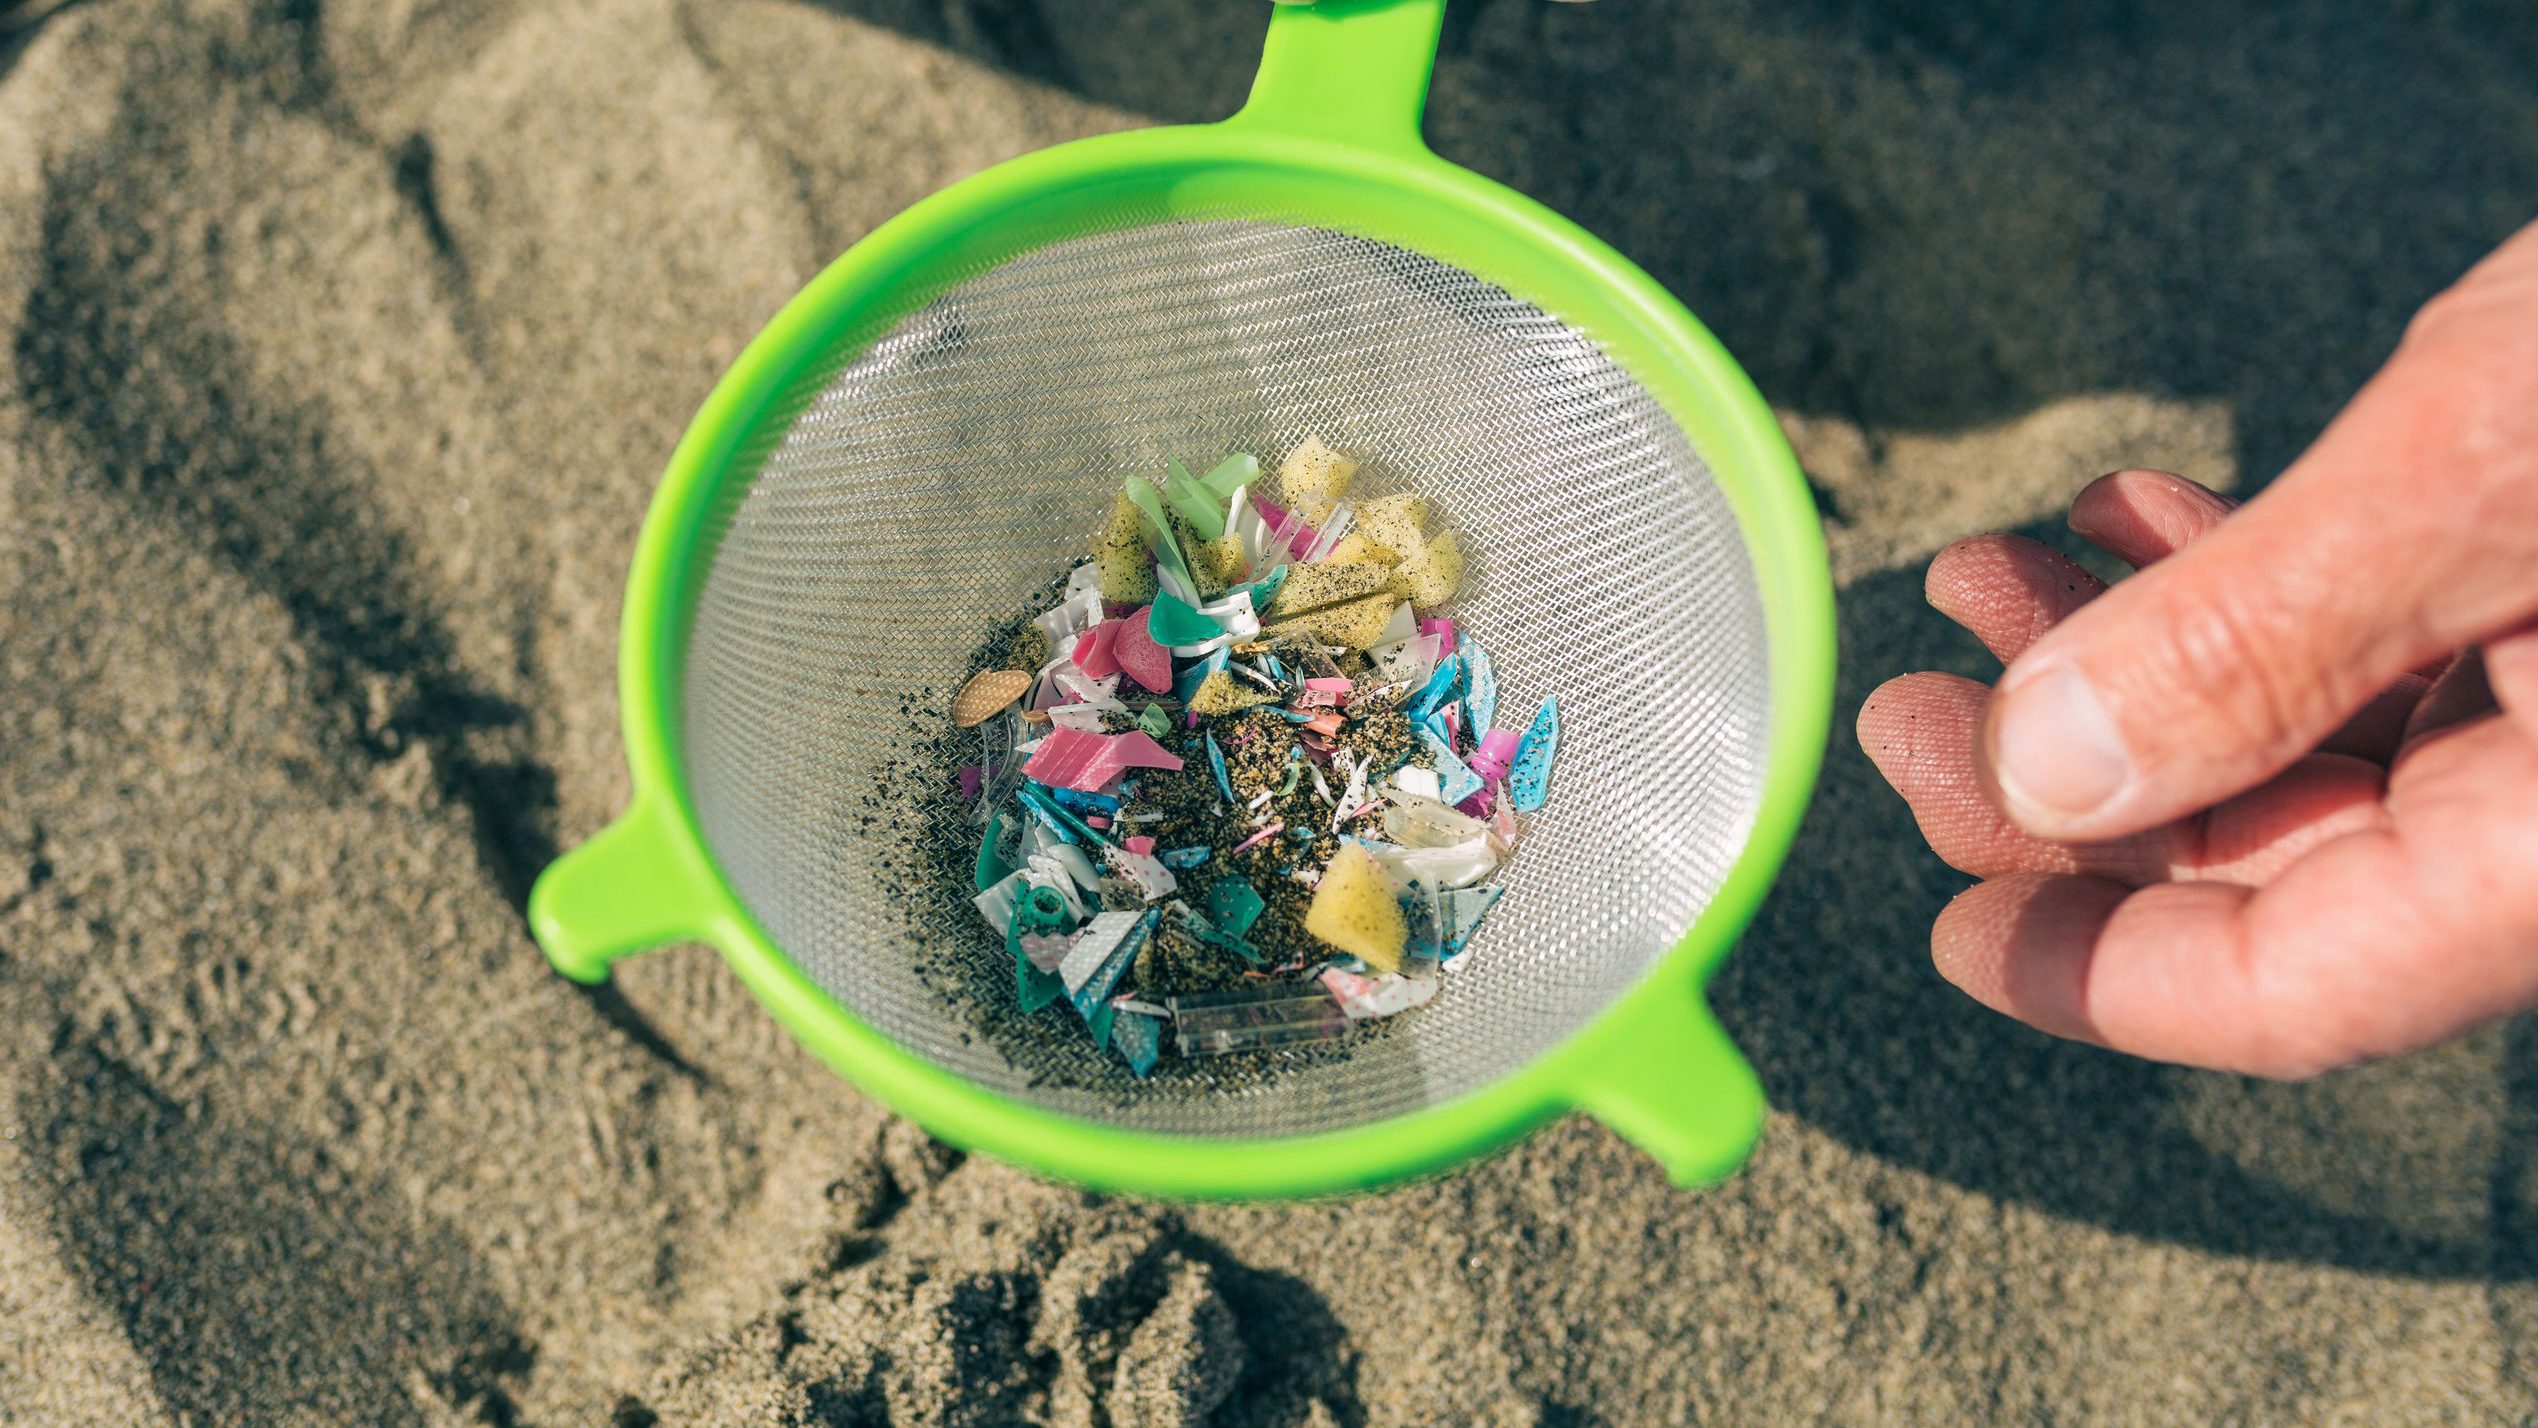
(1462, 910)
(1457, 778)
(1277, 671)
(1529, 778)
(1078, 801)
(1233, 906)
(1432, 726)
(1138, 1038)
(1294, 717)
(1480, 698)
(1186, 686)
(1442, 684)
(1184, 857)
(1216, 766)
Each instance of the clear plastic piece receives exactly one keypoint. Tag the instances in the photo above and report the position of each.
(1416, 822)
(1220, 1023)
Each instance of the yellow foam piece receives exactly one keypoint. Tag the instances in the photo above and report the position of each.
(1355, 624)
(1313, 477)
(1397, 522)
(1429, 578)
(1220, 693)
(1126, 566)
(1355, 549)
(1355, 911)
(1326, 582)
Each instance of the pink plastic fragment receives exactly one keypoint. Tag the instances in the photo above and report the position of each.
(1326, 723)
(1138, 750)
(1095, 820)
(1328, 686)
(1454, 722)
(1139, 844)
(972, 778)
(1476, 806)
(1071, 758)
(1440, 627)
(1263, 836)
(1096, 652)
(1148, 663)
(1083, 761)
(1497, 750)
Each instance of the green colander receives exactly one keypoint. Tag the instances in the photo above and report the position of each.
(932, 429)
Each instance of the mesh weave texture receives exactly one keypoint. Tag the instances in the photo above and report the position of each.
(949, 470)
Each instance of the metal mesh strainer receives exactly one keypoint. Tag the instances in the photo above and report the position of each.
(919, 452)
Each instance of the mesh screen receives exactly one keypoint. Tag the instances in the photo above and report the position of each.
(931, 484)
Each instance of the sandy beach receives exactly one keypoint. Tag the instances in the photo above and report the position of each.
(343, 345)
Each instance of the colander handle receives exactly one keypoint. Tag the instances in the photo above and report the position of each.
(637, 884)
(1353, 71)
(1666, 1078)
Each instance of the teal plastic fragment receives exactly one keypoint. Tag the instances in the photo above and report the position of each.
(1037, 911)
(1204, 510)
(1233, 906)
(1183, 858)
(992, 867)
(1457, 778)
(1066, 825)
(1216, 766)
(1480, 684)
(1138, 1038)
(1092, 1000)
(1155, 722)
(1176, 622)
(1159, 530)
(1442, 685)
(1231, 475)
(1529, 778)
(1265, 589)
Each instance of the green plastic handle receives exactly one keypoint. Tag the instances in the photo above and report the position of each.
(637, 884)
(1668, 1080)
(1351, 71)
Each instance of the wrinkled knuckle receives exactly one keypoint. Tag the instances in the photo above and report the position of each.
(2230, 649)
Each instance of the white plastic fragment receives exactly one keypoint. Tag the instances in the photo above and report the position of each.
(1078, 612)
(1364, 998)
(1100, 938)
(996, 901)
(1147, 871)
(1412, 779)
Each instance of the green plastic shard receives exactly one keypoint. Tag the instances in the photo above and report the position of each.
(1230, 475)
(1204, 511)
(1159, 530)
(992, 867)
(1177, 623)
(1154, 721)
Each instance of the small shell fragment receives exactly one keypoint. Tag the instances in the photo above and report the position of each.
(987, 692)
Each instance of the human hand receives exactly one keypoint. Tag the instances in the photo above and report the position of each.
(2270, 805)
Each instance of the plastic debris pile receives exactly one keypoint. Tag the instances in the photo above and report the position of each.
(1252, 789)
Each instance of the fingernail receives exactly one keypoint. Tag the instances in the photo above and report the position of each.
(2055, 751)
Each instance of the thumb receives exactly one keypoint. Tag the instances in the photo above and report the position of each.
(2408, 531)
